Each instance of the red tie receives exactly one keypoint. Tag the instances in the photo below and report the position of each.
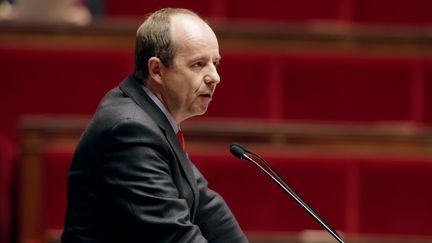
(180, 138)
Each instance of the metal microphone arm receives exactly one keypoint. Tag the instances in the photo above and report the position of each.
(284, 186)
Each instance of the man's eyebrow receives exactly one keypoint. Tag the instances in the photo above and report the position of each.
(203, 57)
(218, 59)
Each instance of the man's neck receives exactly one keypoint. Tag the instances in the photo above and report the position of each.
(163, 108)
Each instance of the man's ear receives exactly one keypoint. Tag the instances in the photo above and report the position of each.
(154, 65)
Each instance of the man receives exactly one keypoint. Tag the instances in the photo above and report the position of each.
(130, 180)
(48, 11)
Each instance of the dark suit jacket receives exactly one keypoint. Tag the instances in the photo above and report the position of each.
(130, 181)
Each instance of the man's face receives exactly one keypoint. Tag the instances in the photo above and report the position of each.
(189, 83)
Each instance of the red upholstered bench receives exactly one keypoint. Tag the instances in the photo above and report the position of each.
(356, 87)
(395, 196)
(383, 12)
(283, 10)
(279, 10)
(291, 86)
(376, 195)
(322, 87)
(245, 86)
(390, 12)
(139, 8)
(381, 195)
(57, 80)
(260, 205)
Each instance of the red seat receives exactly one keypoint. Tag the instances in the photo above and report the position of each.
(301, 86)
(57, 80)
(395, 196)
(382, 195)
(244, 89)
(390, 12)
(138, 8)
(260, 205)
(321, 87)
(348, 88)
(283, 10)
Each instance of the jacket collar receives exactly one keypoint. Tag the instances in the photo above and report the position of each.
(132, 88)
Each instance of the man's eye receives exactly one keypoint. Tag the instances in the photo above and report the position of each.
(198, 64)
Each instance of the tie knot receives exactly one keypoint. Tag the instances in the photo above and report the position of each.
(180, 139)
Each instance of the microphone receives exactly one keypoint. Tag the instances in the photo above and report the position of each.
(240, 152)
(237, 150)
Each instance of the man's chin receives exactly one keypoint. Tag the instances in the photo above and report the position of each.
(201, 111)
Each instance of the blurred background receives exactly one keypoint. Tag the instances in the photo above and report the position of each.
(335, 94)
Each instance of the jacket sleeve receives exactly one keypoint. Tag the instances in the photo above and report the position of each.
(139, 190)
(214, 218)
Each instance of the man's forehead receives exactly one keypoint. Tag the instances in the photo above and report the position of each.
(189, 30)
(187, 23)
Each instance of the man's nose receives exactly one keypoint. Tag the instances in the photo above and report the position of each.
(212, 76)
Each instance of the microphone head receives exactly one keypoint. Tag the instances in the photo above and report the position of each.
(237, 150)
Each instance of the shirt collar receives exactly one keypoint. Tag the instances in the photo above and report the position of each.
(164, 110)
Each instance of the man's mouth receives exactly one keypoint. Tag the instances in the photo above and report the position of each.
(206, 95)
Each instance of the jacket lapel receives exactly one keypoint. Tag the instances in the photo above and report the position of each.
(133, 89)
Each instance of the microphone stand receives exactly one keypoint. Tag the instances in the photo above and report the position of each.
(239, 152)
